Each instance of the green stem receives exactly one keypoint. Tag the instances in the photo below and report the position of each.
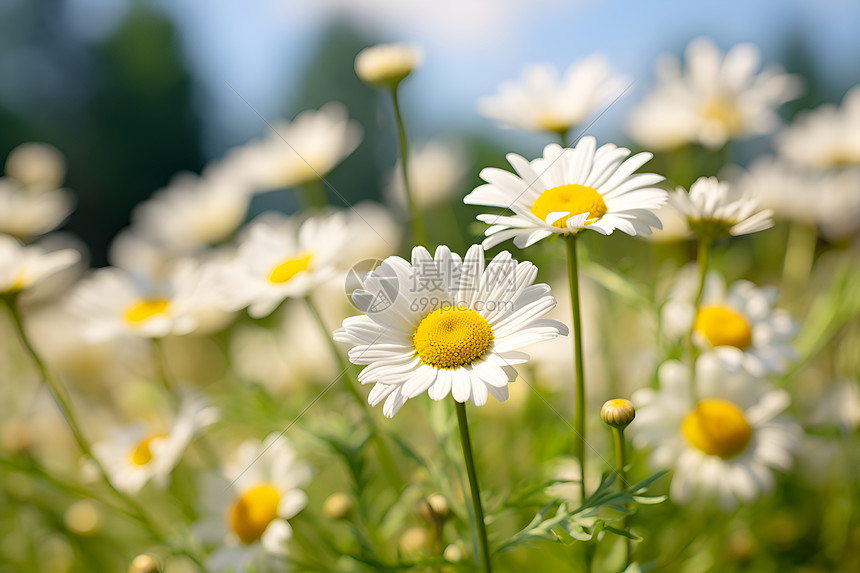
(579, 418)
(386, 459)
(64, 404)
(703, 259)
(481, 527)
(621, 463)
(799, 255)
(419, 231)
(160, 360)
(312, 194)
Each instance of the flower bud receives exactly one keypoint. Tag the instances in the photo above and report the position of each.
(453, 553)
(387, 64)
(618, 413)
(337, 506)
(435, 507)
(37, 166)
(82, 517)
(413, 539)
(144, 563)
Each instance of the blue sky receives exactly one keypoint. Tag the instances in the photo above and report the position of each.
(260, 46)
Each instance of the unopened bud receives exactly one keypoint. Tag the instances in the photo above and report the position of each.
(618, 413)
(435, 507)
(337, 506)
(82, 517)
(36, 166)
(453, 553)
(387, 64)
(413, 539)
(144, 563)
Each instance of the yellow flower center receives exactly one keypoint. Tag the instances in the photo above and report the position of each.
(841, 158)
(725, 113)
(573, 199)
(550, 121)
(718, 428)
(19, 283)
(287, 269)
(253, 511)
(142, 453)
(452, 337)
(723, 327)
(146, 309)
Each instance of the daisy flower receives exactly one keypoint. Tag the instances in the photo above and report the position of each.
(192, 213)
(827, 136)
(387, 64)
(112, 303)
(715, 209)
(740, 324)
(543, 101)
(280, 257)
(725, 444)
(135, 455)
(25, 267)
(716, 98)
(444, 325)
(247, 507)
(568, 190)
(295, 153)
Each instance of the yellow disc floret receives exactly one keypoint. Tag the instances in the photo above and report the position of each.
(718, 428)
(142, 453)
(573, 199)
(723, 327)
(551, 121)
(146, 309)
(253, 511)
(287, 269)
(451, 337)
(723, 112)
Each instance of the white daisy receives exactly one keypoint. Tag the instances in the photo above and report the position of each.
(716, 98)
(294, 153)
(281, 257)
(715, 209)
(137, 454)
(568, 190)
(24, 267)
(726, 443)
(26, 213)
(36, 166)
(542, 101)
(446, 325)
(192, 213)
(827, 136)
(436, 171)
(387, 64)
(248, 506)
(113, 303)
(740, 324)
